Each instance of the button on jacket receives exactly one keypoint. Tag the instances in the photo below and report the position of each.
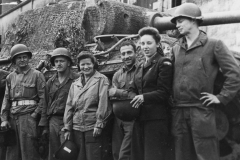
(154, 81)
(29, 85)
(56, 96)
(196, 69)
(87, 105)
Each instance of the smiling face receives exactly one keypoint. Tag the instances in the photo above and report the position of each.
(61, 63)
(184, 25)
(148, 45)
(128, 55)
(22, 60)
(86, 66)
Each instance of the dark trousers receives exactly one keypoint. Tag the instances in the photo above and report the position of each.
(89, 147)
(25, 127)
(56, 136)
(121, 139)
(150, 140)
(194, 130)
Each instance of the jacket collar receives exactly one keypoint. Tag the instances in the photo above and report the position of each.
(124, 68)
(93, 80)
(152, 60)
(200, 41)
(70, 75)
(24, 72)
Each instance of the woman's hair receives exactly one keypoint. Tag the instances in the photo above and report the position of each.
(87, 54)
(150, 31)
(154, 33)
(128, 43)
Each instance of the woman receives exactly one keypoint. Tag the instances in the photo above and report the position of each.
(87, 108)
(152, 84)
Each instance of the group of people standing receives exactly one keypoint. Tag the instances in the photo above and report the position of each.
(76, 107)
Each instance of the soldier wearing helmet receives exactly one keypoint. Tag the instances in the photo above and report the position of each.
(198, 59)
(23, 102)
(57, 89)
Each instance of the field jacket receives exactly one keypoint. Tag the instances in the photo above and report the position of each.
(87, 106)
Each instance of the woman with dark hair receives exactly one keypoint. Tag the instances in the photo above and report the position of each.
(87, 108)
(152, 85)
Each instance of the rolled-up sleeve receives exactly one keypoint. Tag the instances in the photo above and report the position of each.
(68, 114)
(104, 108)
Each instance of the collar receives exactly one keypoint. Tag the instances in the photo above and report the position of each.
(124, 67)
(24, 72)
(200, 41)
(69, 76)
(151, 60)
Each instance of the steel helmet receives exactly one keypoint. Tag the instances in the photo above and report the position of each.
(189, 10)
(60, 52)
(19, 49)
(123, 110)
(67, 150)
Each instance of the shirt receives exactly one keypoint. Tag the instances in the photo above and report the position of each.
(29, 85)
(56, 98)
(122, 80)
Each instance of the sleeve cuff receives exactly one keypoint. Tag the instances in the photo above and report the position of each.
(223, 100)
(100, 125)
(67, 128)
(121, 93)
(43, 122)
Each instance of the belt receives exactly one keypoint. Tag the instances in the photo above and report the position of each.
(24, 103)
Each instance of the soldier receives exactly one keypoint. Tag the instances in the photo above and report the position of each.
(197, 62)
(22, 104)
(57, 89)
(122, 130)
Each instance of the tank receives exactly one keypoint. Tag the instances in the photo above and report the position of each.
(101, 28)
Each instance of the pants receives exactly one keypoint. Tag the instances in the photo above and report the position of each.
(56, 136)
(152, 140)
(195, 133)
(25, 127)
(121, 139)
(90, 147)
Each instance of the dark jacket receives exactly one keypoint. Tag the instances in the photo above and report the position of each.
(196, 69)
(154, 81)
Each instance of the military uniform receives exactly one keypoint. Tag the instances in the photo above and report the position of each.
(25, 94)
(52, 115)
(122, 130)
(153, 80)
(196, 68)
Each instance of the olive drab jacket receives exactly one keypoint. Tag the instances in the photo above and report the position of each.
(87, 105)
(196, 69)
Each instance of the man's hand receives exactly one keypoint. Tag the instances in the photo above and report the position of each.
(112, 92)
(97, 132)
(209, 99)
(67, 135)
(137, 101)
(5, 125)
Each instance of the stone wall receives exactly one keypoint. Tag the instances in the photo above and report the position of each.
(229, 33)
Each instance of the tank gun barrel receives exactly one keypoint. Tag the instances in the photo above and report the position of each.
(216, 18)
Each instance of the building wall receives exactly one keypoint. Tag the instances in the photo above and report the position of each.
(229, 33)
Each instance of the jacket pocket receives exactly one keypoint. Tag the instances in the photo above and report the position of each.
(29, 89)
(202, 67)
